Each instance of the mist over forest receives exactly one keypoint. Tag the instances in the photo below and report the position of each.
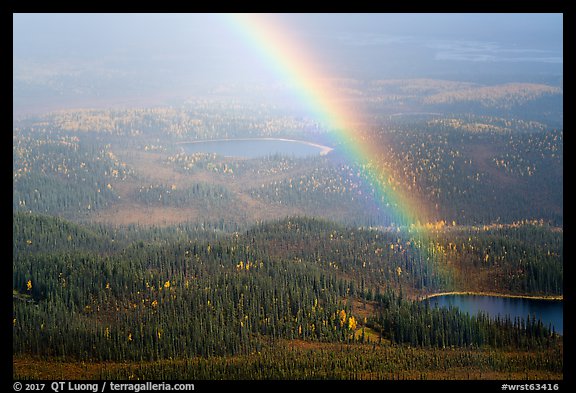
(281, 196)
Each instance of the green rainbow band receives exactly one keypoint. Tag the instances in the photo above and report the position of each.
(294, 63)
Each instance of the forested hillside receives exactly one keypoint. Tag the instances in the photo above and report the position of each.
(179, 297)
(134, 258)
(129, 167)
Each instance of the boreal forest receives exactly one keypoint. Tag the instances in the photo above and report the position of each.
(136, 259)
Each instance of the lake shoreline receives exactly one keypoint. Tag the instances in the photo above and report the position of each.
(323, 149)
(495, 294)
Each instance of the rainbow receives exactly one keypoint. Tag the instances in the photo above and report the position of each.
(296, 65)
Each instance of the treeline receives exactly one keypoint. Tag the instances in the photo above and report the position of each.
(470, 169)
(419, 324)
(198, 121)
(371, 258)
(36, 233)
(59, 173)
(525, 257)
(132, 308)
(204, 194)
(178, 300)
(174, 297)
(477, 176)
(330, 189)
(33, 233)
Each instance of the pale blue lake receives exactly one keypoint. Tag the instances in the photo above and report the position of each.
(256, 147)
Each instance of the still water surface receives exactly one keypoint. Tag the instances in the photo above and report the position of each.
(256, 147)
(549, 311)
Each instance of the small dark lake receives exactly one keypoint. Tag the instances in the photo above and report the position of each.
(256, 147)
(549, 311)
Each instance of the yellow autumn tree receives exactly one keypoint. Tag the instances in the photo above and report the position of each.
(29, 285)
(342, 317)
(352, 323)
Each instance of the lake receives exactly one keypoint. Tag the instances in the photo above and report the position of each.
(256, 147)
(549, 311)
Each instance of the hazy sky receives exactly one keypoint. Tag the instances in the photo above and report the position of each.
(85, 55)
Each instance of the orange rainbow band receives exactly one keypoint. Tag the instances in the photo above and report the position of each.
(294, 63)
